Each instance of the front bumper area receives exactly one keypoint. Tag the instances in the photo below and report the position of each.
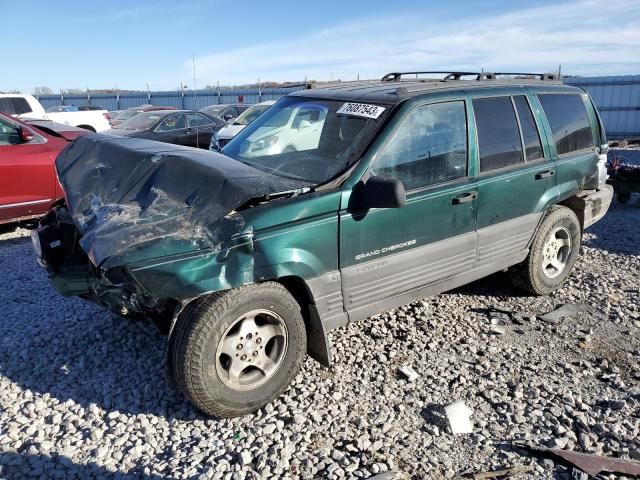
(56, 243)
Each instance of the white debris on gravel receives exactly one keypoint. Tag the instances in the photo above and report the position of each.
(459, 416)
(83, 395)
(409, 373)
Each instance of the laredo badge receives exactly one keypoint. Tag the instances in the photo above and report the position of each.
(361, 110)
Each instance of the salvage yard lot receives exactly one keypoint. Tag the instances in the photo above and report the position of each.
(82, 394)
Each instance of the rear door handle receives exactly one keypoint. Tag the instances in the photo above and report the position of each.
(545, 174)
(464, 198)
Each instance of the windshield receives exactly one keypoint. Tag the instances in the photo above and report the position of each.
(215, 111)
(250, 114)
(127, 114)
(142, 121)
(62, 108)
(307, 139)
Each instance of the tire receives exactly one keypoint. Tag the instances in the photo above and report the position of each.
(624, 197)
(215, 334)
(540, 272)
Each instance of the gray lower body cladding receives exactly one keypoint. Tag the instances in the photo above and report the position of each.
(371, 287)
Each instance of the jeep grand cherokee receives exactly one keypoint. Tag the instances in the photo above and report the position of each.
(404, 189)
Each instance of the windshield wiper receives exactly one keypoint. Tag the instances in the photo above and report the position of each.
(260, 166)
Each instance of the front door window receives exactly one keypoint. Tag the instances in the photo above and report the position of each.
(429, 148)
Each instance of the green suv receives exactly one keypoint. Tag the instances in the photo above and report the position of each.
(335, 204)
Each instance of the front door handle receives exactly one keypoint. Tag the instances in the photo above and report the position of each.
(545, 174)
(464, 198)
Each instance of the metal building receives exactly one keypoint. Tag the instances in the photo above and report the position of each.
(618, 101)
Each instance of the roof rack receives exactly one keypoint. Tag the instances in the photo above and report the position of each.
(540, 76)
(397, 76)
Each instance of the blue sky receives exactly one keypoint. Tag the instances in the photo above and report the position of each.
(66, 44)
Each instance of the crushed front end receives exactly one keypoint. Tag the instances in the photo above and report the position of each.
(57, 244)
(147, 226)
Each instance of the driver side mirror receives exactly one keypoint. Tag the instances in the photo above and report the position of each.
(304, 124)
(26, 134)
(378, 192)
(228, 117)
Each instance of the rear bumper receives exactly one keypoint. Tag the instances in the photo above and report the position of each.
(596, 204)
(591, 205)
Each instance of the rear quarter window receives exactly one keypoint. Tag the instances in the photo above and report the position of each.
(569, 121)
(530, 134)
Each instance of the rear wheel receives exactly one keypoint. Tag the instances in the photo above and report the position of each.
(234, 352)
(553, 253)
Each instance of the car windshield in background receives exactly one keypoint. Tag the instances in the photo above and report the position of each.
(214, 111)
(250, 114)
(142, 121)
(62, 108)
(127, 114)
(307, 139)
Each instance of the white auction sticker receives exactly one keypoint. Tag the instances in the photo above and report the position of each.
(361, 110)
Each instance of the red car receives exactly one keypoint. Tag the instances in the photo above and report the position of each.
(28, 183)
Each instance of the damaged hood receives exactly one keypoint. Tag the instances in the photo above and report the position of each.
(125, 194)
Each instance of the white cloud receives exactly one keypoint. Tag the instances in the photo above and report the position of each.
(579, 34)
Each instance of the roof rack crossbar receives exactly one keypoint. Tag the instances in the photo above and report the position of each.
(397, 76)
(541, 76)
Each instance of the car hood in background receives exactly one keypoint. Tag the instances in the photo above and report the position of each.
(67, 132)
(139, 199)
(122, 132)
(229, 131)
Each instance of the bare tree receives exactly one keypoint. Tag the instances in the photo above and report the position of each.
(42, 91)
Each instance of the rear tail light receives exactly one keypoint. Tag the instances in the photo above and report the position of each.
(602, 169)
(107, 116)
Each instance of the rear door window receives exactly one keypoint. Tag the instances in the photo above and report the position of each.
(498, 135)
(172, 122)
(197, 120)
(569, 121)
(429, 148)
(530, 134)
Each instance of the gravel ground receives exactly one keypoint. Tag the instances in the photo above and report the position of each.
(82, 394)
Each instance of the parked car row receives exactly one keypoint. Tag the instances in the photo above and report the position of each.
(27, 106)
(226, 112)
(124, 115)
(180, 127)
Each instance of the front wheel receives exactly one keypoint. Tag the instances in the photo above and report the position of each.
(553, 253)
(236, 351)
